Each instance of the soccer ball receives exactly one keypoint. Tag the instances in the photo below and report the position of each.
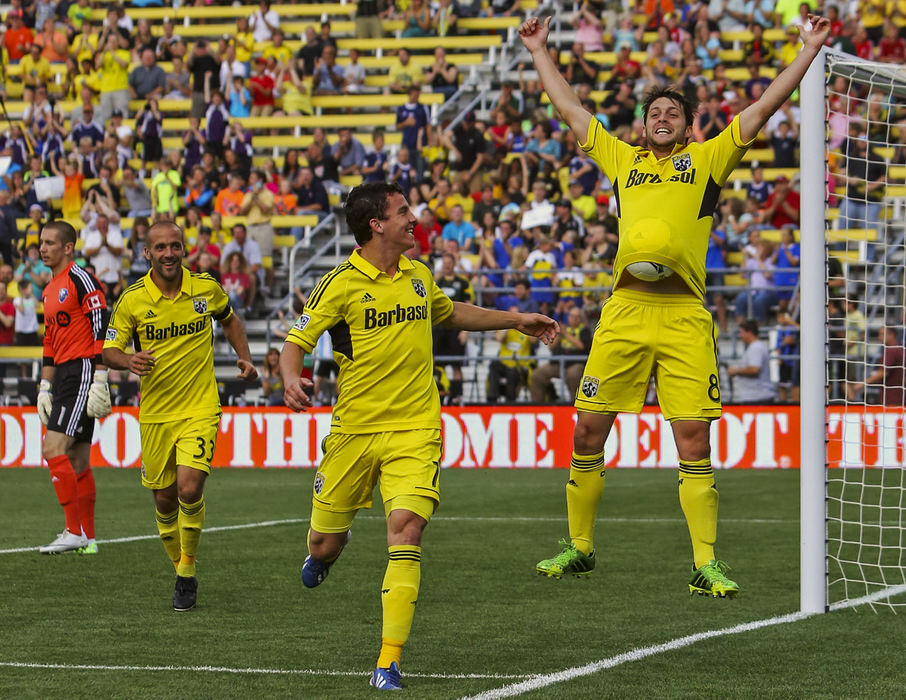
(648, 271)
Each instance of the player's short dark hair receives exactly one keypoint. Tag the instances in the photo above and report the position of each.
(366, 202)
(689, 105)
(750, 325)
(64, 230)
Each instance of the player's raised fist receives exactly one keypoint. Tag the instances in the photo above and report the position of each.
(534, 32)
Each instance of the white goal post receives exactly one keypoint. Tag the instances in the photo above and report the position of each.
(853, 424)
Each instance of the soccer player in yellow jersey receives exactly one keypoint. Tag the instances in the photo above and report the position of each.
(167, 316)
(657, 326)
(379, 307)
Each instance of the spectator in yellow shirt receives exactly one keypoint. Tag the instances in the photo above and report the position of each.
(276, 48)
(113, 62)
(35, 70)
(403, 74)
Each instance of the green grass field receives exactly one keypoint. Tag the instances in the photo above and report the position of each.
(484, 620)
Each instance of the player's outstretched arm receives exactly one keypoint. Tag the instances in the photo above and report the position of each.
(468, 317)
(534, 32)
(294, 384)
(234, 332)
(756, 115)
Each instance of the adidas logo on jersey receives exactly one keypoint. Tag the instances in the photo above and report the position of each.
(150, 314)
(368, 299)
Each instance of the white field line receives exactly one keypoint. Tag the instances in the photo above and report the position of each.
(250, 671)
(468, 518)
(545, 680)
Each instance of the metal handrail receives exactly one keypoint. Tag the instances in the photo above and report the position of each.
(331, 220)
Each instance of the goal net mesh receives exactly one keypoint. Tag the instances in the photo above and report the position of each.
(866, 293)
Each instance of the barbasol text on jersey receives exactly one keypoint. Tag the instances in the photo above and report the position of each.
(174, 330)
(636, 178)
(381, 319)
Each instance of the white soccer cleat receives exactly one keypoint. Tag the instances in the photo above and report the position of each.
(65, 542)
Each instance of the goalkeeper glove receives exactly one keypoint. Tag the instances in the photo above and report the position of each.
(99, 396)
(45, 401)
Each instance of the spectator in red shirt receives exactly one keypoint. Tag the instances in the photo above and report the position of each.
(892, 48)
(18, 37)
(261, 85)
(203, 245)
(7, 317)
(425, 230)
(782, 207)
(862, 44)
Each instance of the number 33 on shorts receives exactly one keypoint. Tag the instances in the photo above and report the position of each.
(189, 442)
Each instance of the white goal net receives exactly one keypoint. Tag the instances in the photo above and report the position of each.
(864, 321)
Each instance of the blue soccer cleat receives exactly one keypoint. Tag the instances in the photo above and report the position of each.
(387, 678)
(314, 571)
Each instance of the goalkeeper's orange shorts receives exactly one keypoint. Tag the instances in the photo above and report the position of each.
(406, 462)
(671, 337)
(165, 446)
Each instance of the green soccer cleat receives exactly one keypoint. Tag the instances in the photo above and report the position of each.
(710, 579)
(90, 548)
(570, 561)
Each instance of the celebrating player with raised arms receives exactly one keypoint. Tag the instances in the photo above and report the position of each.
(167, 316)
(73, 390)
(379, 308)
(656, 323)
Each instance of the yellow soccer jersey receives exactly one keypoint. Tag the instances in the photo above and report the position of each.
(180, 335)
(381, 333)
(665, 207)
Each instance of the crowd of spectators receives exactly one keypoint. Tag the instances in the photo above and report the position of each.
(505, 198)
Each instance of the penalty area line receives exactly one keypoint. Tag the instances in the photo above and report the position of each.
(251, 671)
(544, 680)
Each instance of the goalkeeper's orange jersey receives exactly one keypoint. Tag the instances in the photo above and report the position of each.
(665, 207)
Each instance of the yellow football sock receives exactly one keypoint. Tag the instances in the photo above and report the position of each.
(191, 520)
(168, 528)
(399, 593)
(391, 650)
(698, 498)
(583, 494)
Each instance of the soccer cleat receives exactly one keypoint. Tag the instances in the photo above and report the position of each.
(185, 593)
(387, 678)
(65, 542)
(90, 548)
(710, 579)
(570, 561)
(314, 571)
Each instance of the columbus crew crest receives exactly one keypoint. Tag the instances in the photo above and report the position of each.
(682, 162)
(590, 386)
(319, 483)
(419, 287)
(200, 304)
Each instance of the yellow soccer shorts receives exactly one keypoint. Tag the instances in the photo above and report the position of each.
(671, 337)
(165, 446)
(406, 462)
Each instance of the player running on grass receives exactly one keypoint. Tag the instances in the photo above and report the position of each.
(168, 318)
(666, 196)
(73, 390)
(379, 307)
